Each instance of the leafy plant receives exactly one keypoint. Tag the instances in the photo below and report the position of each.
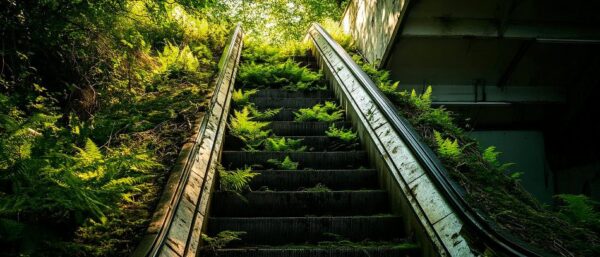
(447, 147)
(251, 132)
(318, 188)
(262, 115)
(422, 101)
(286, 164)
(579, 209)
(236, 181)
(327, 112)
(346, 135)
(222, 239)
(283, 144)
(242, 98)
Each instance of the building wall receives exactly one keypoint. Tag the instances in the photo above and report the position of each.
(372, 23)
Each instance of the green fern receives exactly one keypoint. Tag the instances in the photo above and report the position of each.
(286, 164)
(242, 98)
(447, 148)
(346, 135)
(283, 144)
(422, 101)
(222, 239)
(236, 181)
(579, 209)
(327, 112)
(252, 133)
(287, 74)
(262, 115)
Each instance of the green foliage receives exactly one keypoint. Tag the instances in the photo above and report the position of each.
(251, 132)
(579, 210)
(222, 239)
(346, 135)
(286, 164)
(422, 101)
(174, 61)
(128, 75)
(327, 112)
(236, 181)
(242, 98)
(283, 144)
(318, 188)
(262, 115)
(280, 21)
(446, 147)
(288, 74)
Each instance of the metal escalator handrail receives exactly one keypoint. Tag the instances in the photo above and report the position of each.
(154, 248)
(452, 192)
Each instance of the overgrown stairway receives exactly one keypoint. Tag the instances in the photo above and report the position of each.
(331, 205)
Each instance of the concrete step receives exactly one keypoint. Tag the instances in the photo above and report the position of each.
(285, 114)
(299, 203)
(310, 128)
(291, 102)
(312, 143)
(298, 179)
(306, 160)
(316, 252)
(286, 230)
(282, 93)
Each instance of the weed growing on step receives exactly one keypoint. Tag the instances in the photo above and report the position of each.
(283, 144)
(235, 181)
(251, 132)
(327, 112)
(317, 188)
(286, 164)
(345, 135)
(222, 239)
(241, 97)
(264, 114)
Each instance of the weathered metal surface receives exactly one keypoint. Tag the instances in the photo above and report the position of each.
(427, 206)
(176, 227)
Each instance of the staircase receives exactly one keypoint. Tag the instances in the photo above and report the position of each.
(286, 215)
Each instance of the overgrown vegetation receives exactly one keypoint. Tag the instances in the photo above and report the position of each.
(252, 133)
(285, 164)
(222, 239)
(345, 135)
(235, 181)
(327, 112)
(283, 144)
(95, 100)
(288, 75)
(491, 186)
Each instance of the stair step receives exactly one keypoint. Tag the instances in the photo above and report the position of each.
(312, 143)
(310, 128)
(312, 252)
(282, 93)
(299, 203)
(306, 160)
(291, 102)
(285, 114)
(285, 230)
(333, 179)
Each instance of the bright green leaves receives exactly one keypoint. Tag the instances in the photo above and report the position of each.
(242, 98)
(288, 75)
(285, 164)
(446, 147)
(235, 181)
(346, 135)
(175, 60)
(283, 144)
(251, 132)
(327, 112)
(221, 240)
(579, 209)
